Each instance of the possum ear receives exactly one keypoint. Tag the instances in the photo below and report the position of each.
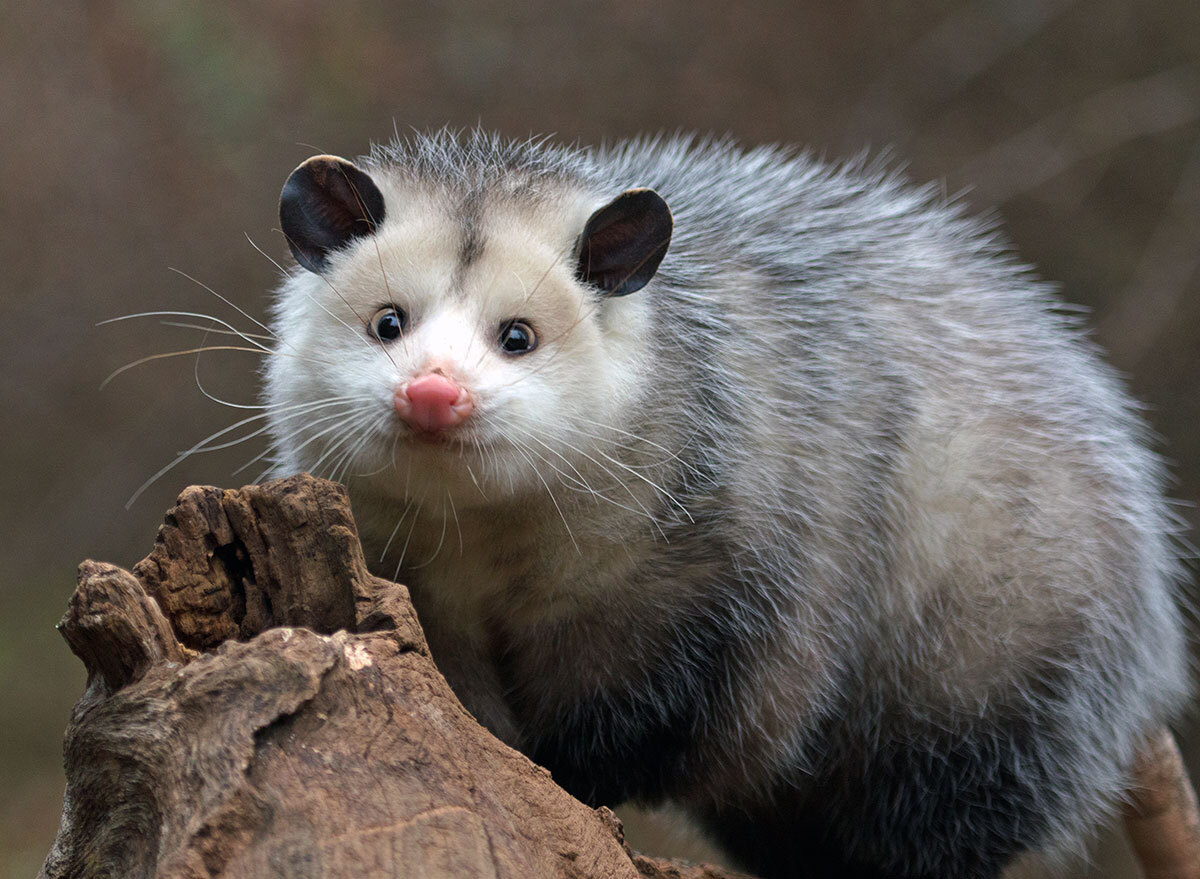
(623, 242)
(325, 204)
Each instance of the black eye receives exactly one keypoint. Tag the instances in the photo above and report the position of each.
(388, 323)
(517, 337)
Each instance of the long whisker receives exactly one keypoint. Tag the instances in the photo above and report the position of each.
(342, 465)
(343, 433)
(631, 471)
(286, 414)
(318, 421)
(264, 453)
(230, 330)
(184, 455)
(634, 436)
(609, 442)
(338, 425)
(382, 428)
(578, 478)
(228, 302)
(212, 329)
(336, 292)
(341, 430)
(537, 472)
(457, 524)
(641, 506)
(404, 549)
(355, 332)
(257, 349)
(392, 536)
(474, 480)
(205, 391)
(184, 353)
(228, 326)
(438, 549)
(360, 432)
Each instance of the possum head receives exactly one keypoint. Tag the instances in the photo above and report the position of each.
(458, 338)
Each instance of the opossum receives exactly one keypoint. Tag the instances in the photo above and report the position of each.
(776, 489)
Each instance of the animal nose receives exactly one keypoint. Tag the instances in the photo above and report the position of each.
(433, 403)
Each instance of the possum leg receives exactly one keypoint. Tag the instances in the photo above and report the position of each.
(934, 804)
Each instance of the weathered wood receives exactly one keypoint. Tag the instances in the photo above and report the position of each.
(229, 564)
(1161, 817)
(281, 716)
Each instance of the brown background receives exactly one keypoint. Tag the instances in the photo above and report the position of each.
(138, 137)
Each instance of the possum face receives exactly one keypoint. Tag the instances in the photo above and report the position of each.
(443, 342)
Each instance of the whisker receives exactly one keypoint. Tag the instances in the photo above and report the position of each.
(404, 549)
(666, 494)
(640, 439)
(268, 450)
(457, 524)
(185, 454)
(184, 353)
(537, 472)
(618, 480)
(341, 466)
(296, 411)
(479, 488)
(204, 390)
(211, 329)
(438, 549)
(335, 416)
(229, 329)
(334, 451)
(392, 536)
(228, 302)
(259, 478)
(228, 326)
(338, 426)
(356, 333)
(367, 433)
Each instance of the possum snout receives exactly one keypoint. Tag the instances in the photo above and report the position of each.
(433, 403)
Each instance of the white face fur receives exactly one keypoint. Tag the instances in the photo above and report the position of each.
(331, 388)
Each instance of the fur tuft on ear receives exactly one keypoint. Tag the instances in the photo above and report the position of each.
(325, 204)
(623, 242)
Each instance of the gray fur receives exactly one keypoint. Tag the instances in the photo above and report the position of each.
(877, 503)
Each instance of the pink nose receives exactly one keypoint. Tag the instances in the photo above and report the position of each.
(432, 403)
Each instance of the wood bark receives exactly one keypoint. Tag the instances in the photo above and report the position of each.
(258, 704)
(1161, 816)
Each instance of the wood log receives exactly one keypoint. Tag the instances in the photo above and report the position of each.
(258, 704)
(1161, 817)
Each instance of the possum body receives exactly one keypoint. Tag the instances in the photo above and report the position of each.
(826, 524)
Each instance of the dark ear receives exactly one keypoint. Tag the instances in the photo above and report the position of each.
(326, 203)
(623, 242)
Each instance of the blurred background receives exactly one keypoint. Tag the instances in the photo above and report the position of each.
(141, 139)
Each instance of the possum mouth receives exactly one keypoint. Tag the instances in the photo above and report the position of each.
(452, 440)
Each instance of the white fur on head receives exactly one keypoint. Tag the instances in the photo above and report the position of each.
(332, 388)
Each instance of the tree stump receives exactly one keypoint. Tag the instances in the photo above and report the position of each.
(259, 704)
